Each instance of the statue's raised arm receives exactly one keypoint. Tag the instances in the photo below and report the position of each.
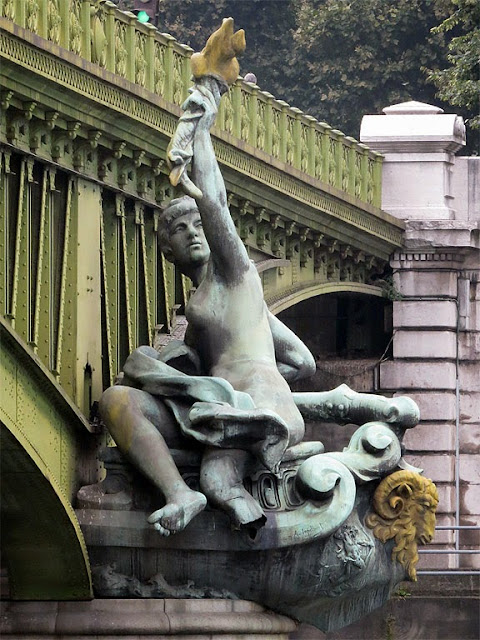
(214, 69)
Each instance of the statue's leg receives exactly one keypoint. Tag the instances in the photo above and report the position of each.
(221, 479)
(346, 406)
(135, 420)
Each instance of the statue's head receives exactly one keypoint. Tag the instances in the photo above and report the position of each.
(181, 236)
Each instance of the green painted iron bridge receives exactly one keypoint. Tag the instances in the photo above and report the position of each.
(89, 100)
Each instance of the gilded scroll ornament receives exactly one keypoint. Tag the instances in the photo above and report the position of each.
(405, 503)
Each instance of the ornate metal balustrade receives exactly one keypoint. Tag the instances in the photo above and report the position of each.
(115, 41)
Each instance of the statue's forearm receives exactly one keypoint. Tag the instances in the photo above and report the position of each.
(345, 406)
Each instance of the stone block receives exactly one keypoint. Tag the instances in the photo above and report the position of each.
(435, 405)
(470, 438)
(469, 345)
(417, 375)
(470, 470)
(446, 498)
(439, 468)
(425, 344)
(438, 561)
(470, 561)
(244, 606)
(440, 314)
(445, 520)
(430, 437)
(423, 283)
(28, 617)
(469, 376)
(470, 538)
(443, 537)
(469, 406)
(470, 502)
(184, 606)
(474, 316)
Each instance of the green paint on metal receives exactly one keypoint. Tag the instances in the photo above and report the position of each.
(41, 433)
(111, 41)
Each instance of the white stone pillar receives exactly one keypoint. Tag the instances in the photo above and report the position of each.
(419, 142)
(436, 322)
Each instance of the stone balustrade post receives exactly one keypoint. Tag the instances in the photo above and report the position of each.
(236, 93)
(326, 157)
(168, 63)
(338, 137)
(297, 138)
(20, 12)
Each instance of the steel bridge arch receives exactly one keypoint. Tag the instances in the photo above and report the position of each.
(293, 296)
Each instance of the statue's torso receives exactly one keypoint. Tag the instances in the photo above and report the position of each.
(228, 326)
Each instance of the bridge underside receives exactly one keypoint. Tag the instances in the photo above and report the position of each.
(41, 543)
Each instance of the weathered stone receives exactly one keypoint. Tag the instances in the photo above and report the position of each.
(470, 500)
(469, 345)
(441, 468)
(425, 344)
(159, 619)
(430, 437)
(469, 469)
(469, 375)
(424, 283)
(469, 438)
(435, 405)
(427, 314)
(417, 375)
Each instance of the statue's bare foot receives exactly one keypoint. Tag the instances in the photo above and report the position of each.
(175, 515)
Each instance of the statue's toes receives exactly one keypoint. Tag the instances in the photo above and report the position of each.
(161, 530)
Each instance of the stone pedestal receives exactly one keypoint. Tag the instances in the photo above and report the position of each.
(136, 619)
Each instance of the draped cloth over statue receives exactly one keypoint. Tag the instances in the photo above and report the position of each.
(207, 408)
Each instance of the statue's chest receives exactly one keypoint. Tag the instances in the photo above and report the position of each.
(205, 306)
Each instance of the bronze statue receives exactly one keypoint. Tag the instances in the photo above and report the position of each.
(226, 386)
(245, 407)
(224, 392)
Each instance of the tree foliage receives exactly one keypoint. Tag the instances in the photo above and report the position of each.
(459, 84)
(359, 56)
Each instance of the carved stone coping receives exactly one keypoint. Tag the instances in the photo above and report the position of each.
(132, 618)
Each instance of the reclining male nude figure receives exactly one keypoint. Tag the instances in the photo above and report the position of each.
(238, 403)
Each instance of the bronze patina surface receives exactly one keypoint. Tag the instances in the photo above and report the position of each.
(243, 507)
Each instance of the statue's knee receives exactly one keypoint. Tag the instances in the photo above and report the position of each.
(111, 399)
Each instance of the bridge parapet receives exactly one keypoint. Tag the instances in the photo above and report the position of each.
(115, 41)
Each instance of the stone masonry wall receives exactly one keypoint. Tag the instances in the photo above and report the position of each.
(436, 342)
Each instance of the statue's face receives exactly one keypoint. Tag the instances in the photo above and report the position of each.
(188, 244)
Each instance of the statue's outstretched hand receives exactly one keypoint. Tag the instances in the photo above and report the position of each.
(208, 103)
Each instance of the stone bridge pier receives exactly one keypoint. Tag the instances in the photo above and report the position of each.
(437, 319)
